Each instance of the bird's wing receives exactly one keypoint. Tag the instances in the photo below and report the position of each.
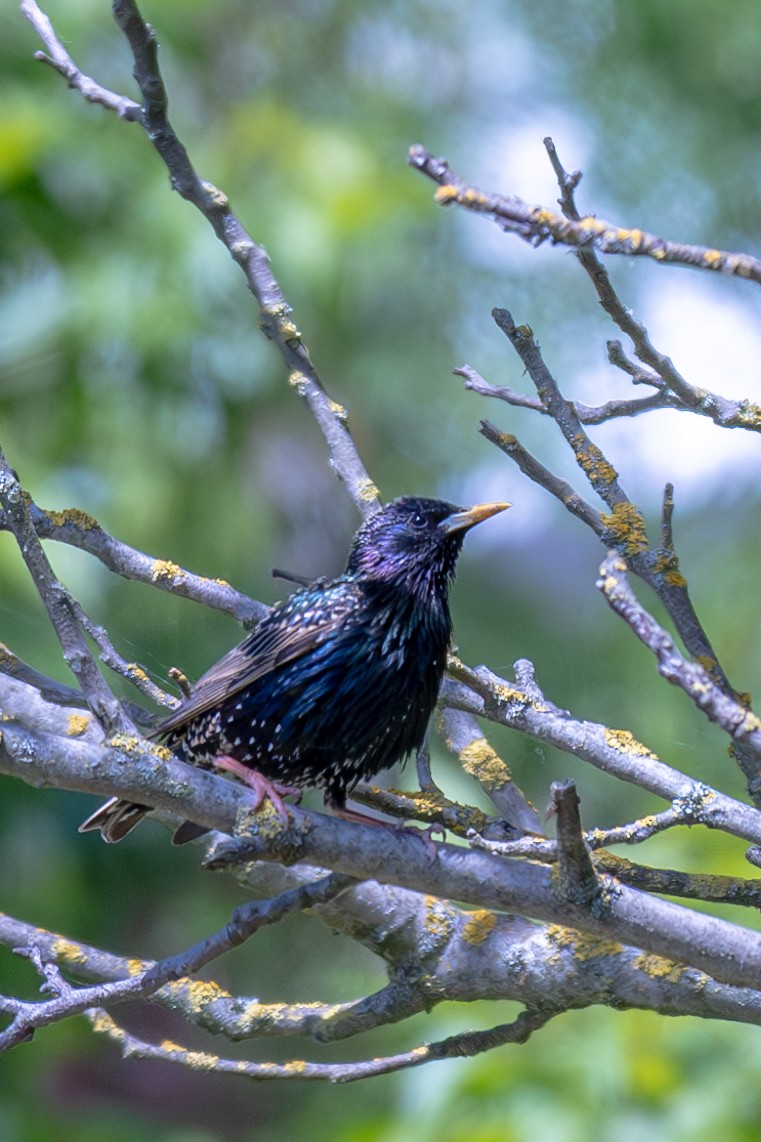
(290, 631)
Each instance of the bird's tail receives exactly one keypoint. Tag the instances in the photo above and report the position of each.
(115, 818)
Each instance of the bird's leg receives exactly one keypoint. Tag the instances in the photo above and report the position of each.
(262, 786)
(359, 818)
(426, 835)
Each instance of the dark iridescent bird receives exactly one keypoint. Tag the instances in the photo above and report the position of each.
(337, 682)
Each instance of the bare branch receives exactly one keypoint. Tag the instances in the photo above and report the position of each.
(586, 414)
(730, 713)
(60, 60)
(726, 413)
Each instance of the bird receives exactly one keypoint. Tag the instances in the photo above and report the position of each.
(338, 681)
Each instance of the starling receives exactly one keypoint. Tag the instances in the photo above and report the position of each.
(338, 681)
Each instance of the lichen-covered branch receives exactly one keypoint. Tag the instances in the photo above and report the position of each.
(522, 706)
(536, 224)
(361, 851)
(80, 530)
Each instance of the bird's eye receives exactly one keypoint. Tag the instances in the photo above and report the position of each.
(418, 522)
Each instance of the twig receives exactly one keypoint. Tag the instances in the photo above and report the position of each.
(731, 714)
(458, 1046)
(50, 689)
(60, 60)
(586, 414)
(577, 877)
(542, 476)
(109, 655)
(247, 920)
(80, 530)
(726, 413)
(274, 311)
(58, 604)
(69, 1000)
(616, 752)
(600, 473)
(536, 224)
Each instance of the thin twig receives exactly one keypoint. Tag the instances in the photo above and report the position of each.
(59, 606)
(586, 414)
(457, 1046)
(724, 412)
(274, 311)
(728, 712)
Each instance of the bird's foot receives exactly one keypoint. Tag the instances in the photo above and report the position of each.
(426, 836)
(263, 788)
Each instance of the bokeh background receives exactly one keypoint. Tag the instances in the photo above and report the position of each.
(135, 385)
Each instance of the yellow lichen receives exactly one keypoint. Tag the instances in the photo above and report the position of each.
(599, 471)
(478, 926)
(584, 945)
(748, 415)
(473, 197)
(368, 492)
(290, 333)
(445, 194)
(162, 752)
(667, 565)
(439, 917)
(79, 519)
(198, 1060)
(484, 763)
(68, 952)
(163, 570)
(339, 411)
(103, 1023)
(627, 528)
(298, 381)
(200, 992)
(750, 724)
(625, 742)
(713, 259)
(77, 724)
(659, 968)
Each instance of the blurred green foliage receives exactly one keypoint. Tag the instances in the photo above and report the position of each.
(134, 384)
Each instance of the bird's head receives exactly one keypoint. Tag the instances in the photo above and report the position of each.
(415, 542)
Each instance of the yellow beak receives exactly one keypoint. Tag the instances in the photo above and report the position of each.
(469, 517)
